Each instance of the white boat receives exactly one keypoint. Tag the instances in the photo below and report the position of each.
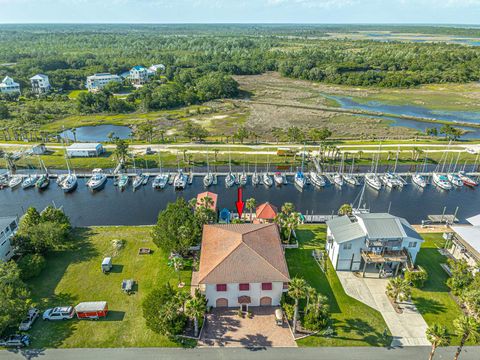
(255, 179)
(97, 180)
(61, 178)
(230, 180)
(180, 180)
(390, 180)
(146, 177)
(267, 180)
(160, 181)
(466, 179)
(373, 181)
(351, 180)
(455, 179)
(278, 178)
(14, 181)
(70, 183)
(300, 179)
(441, 181)
(419, 180)
(137, 181)
(208, 179)
(317, 180)
(243, 179)
(338, 179)
(29, 181)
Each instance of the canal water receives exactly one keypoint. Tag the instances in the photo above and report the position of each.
(112, 207)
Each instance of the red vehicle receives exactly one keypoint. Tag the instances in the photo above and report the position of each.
(92, 310)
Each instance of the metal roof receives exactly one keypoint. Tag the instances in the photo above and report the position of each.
(470, 234)
(382, 226)
(84, 146)
(6, 221)
(343, 229)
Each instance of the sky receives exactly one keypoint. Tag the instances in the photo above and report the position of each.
(241, 11)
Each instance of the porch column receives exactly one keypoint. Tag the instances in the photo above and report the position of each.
(364, 268)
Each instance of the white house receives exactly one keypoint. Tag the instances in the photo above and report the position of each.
(156, 68)
(139, 75)
(97, 82)
(384, 240)
(464, 242)
(40, 84)
(8, 86)
(85, 150)
(8, 227)
(242, 265)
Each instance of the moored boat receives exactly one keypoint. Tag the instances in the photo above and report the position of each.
(338, 179)
(317, 180)
(466, 179)
(267, 180)
(230, 180)
(70, 183)
(137, 181)
(208, 179)
(441, 181)
(160, 181)
(123, 181)
(278, 178)
(300, 180)
(180, 180)
(29, 181)
(97, 180)
(243, 179)
(42, 182)
(14, 181)
(455, 179)
(373, 181)
(351, 179)
(255, 179)
(419, 180)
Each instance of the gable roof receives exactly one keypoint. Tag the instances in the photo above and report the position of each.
(343, 229)
(382, 226)
(6, 221)
(39, 77)
(242, 253)
(211, 195)
(266, 211)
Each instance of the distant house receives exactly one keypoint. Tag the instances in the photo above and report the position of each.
(85, 150)
(8, 86)
(40, 84)
(464, 243)
(157, 68)
(242, 265)
(39, 149)
(383, 240)
(265, 213)
(209, 194)
(8, 227)
(139, 75)
(97, 82)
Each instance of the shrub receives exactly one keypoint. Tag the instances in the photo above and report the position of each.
(31, 265)
(417, 278)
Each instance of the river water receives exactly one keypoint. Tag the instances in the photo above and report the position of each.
(112, 207)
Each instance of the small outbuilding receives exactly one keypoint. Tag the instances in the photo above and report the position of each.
(107, 264)
(85, 150)
(92, 310)
(39, 149)
(265, 213)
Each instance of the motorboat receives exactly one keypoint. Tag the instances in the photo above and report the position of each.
(351, 180)
(180, 180)
(419, 180)
(455, 179)
(278, 178)
(300, 180)
(230, 180)
(466, 179)
(267, 180)
(15, 181)
(243, 179)
(208, 179)
(70, 183)
(42, 182)
(441, 181)
(317, 180)
(122, 182)
(160, 181)
(338, 179)
(29, 181)
(97, 180)
(255, 179)
(373, 181)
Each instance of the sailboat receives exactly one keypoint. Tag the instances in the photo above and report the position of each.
(278, 178)
(266, 178)
(359, 209)
(299, 178)
(14, 181)
(338, 177)
(350, 178)
(230, 178)
(70, 181)
(452, 175)
(467, 180)
(97, 180)
(161, 180)
(255, 176)
(316, 179)
(138, 179)
(208, 178)
(243, 177)
(419, 179)
(371, 178)
(180, 180)
(438, 178)
(44, 179)
(29, 181)
(123, 181)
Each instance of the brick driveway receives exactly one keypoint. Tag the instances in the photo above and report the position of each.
(225, 329)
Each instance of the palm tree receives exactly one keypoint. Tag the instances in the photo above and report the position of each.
(251, 204)
(468, 329)
(196, 308)
(288, 208)
(293, 221)
(345, 209)
(438, 337)
(311, 293)
(398, 289)
(297, 289)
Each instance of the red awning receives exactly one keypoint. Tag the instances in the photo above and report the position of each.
(244, 300)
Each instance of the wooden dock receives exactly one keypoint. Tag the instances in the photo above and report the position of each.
(443, 219)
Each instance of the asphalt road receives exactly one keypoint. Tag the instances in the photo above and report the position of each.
(350, 353)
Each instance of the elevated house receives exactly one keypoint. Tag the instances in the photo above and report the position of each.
(464, 242)
(40, 84)
(139, 75)
(381, 239)
(8, 227)
(8, 86)
(242, 265)
(98, 81)
(265, 213)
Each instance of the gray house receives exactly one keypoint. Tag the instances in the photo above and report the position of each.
(384, 240)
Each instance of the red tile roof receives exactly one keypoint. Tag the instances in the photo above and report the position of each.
(211, 195)
(266, 211)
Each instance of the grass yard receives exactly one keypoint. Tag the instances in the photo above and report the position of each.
(434, 301)
(74, 275)
(355, 323)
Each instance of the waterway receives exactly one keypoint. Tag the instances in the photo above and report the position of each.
(112, 207)
(97, 133)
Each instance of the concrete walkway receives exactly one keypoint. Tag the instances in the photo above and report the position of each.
(408, 328)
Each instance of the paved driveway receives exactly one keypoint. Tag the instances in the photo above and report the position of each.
(225, 328)
(408, 328)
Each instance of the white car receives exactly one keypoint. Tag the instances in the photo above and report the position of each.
(59, 313)
(28, 321)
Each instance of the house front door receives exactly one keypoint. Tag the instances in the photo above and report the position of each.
(244, 307)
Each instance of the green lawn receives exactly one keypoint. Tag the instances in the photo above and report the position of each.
(355, 323)
(74, 275)
(434, 301)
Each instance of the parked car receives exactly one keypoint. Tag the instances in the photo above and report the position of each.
(59, 313)
(15, 340)
(28, 321)
(149, 151)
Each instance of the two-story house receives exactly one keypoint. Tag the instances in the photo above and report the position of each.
(40, 84)
(8, 227)
(97, 82)
(139, 75)
(8, 86)
(381, 239)
(242, 265)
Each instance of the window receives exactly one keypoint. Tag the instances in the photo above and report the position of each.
(412, 244)
(347, 246)
(285, 286)
(244, 287)
(266, 286)
(221, 287)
